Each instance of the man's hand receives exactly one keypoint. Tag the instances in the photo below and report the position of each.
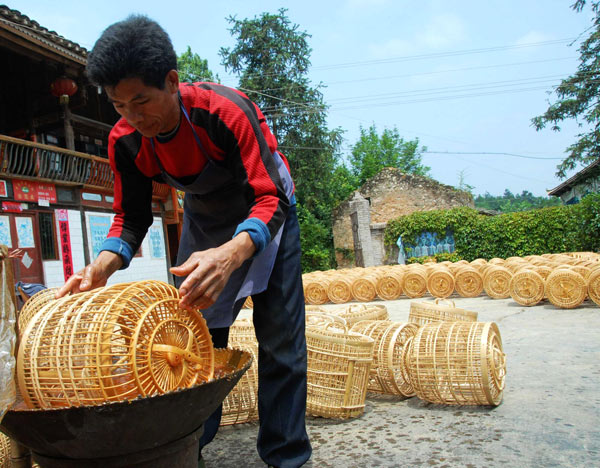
(209, 270)
(93, 276)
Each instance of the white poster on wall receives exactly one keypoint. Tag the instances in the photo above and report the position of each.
(5, 238)
(157, 244)
(25, 232)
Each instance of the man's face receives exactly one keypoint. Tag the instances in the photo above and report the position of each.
(147, 109)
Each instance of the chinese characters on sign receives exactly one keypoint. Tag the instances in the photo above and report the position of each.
(27, 190)
(65, 242)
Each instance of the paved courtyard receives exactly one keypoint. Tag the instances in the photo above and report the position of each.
(550, 415)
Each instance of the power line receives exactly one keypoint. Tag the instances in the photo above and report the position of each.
(493, 154)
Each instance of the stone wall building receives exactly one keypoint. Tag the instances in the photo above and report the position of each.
(391, 194)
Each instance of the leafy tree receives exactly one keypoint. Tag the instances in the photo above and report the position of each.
(193, 68)
(462, 184)
(372, 152)
(271, 58)
(579, 99)
(508, 202)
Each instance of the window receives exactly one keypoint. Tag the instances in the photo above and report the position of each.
(47, 236)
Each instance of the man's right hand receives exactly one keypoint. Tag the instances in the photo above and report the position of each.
(93, 276)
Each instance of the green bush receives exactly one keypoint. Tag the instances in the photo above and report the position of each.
(534, 232)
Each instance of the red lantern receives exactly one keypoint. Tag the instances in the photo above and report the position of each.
(63, 86)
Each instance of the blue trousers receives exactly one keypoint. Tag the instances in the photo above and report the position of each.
(279, 322)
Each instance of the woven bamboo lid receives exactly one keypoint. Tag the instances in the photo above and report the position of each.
(440, 283)
(565, 288)
(527, 287)
(357, 312)
(496, 282)
(415, 283)
(440, 310)
(468, 282)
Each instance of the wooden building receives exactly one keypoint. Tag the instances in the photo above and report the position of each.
(56, 185)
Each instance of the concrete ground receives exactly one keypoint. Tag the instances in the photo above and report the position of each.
(550, 415)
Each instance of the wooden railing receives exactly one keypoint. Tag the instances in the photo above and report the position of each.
(27, 160)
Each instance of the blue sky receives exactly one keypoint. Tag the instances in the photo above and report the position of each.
(464, 77)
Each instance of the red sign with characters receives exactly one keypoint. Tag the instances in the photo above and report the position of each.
(31, 191)
(65, 242)
(46, 192)
(25, 190)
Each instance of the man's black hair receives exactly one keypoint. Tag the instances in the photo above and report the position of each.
(136, 47)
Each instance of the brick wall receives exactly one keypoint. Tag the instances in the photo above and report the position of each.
(392, 194)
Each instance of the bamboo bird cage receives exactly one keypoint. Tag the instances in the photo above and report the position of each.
(457, 363)
(339, 362)
(33, 305)
(388, 374)
(565, 288)
(241, 404)
(112, 344)
(440, 310)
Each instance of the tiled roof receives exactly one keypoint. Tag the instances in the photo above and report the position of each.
(19, 24)
(568, 184)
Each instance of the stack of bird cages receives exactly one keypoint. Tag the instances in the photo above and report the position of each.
(356, 312)
(388, 374)
(241, 405)
(112, 344)
(440, 310)
(457, 363)
(33, 305)
(339, 362)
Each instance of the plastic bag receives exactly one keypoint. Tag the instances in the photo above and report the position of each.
(8, 337)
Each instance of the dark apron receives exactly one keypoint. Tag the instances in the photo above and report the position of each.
(210, 219)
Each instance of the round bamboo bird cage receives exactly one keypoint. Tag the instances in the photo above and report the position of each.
(315, 290)
(389, 285)
(112, 344)
(440, 283)
(496, 282)
(468, 282)
(339, 362)
(364, 288)
(241, 404)
(457, 363)
(339, 290)
(319, 319)
(594, 286)
(248, 304)
(415, 282)
(33, 305)
(565, 288)
(440, 310)
(388, 375)
(526, 287)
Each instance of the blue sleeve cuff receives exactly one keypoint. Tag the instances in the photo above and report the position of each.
(120, 247)
(258, 232)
